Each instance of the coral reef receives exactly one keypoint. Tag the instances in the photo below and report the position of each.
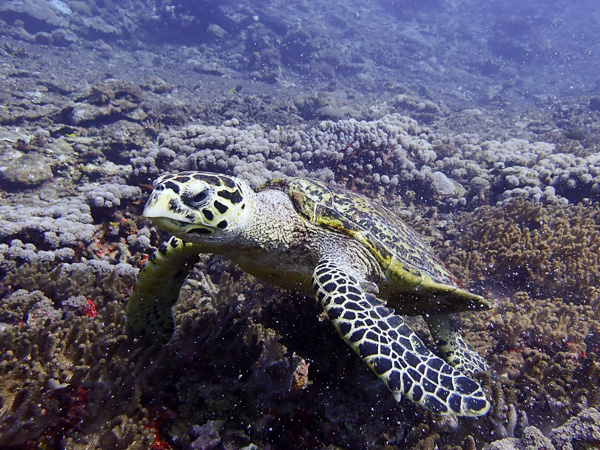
(543, 335)
(582, 431)
(109, 101)
(393, 152)
(60, 224)
(481, 129)
(549, 250)
(60, 382)
(253, 365)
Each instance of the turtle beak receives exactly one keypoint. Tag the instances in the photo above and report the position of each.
(166, 211)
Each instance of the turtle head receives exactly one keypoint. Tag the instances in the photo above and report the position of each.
(200, 207)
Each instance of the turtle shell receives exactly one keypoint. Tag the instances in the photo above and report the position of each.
(413, 271)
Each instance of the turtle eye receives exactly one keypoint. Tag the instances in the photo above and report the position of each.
(196, 200)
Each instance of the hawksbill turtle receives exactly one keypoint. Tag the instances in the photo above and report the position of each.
(363, 264)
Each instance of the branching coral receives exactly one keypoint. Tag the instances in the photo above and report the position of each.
(540, 265)
(544, 250)
(67, 377)
(97, 280)
(546, 324)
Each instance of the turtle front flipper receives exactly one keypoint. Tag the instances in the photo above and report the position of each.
(453, 347)
(392, 349)
(157, 288)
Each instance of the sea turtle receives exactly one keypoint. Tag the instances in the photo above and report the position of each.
(359, 260)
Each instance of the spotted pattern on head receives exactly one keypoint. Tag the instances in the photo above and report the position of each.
(195, 203)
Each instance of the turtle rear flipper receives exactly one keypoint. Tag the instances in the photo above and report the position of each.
(453, 347)
(157, 289)
(391, 348)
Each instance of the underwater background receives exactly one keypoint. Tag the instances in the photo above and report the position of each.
(478, 123)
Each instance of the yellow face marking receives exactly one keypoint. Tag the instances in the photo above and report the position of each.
(196, 204)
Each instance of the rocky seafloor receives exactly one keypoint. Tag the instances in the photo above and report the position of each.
(506, 192)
